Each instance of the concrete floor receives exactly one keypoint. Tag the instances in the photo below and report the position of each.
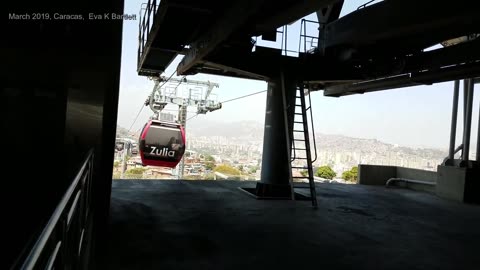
(213, 225)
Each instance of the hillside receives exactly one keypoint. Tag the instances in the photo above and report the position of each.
(348, 149)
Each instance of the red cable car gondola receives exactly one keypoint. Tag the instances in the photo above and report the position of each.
(162, 143)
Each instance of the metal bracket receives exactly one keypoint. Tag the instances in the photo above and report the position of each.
(325, 16)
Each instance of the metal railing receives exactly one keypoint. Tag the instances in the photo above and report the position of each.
(147, 15)
(62, 243)
(311, 123)
(309, 41)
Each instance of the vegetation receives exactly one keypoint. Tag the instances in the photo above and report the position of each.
(304, 173)
(133, 176)
(325, 172)
(209, 162)
(226, 169)
(209, 166)
(208, 176)
(253, 169)
(351, 175)
(136, 171)
(191, 177)
(116, 163)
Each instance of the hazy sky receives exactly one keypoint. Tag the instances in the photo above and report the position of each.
(415, 116)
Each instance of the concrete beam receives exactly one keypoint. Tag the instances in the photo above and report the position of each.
(405, 80)
(221, 69)
(231, 20)
(403, 24)
(291, 12)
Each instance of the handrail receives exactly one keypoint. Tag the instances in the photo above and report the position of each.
(445, 160)
(311, 119)
(387, 184)
(304, 36)
(365, 5)
(145, 24)
(36, 252)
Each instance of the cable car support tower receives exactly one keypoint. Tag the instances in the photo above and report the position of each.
(166, 91)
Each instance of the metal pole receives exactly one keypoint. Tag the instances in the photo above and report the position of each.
(124, 156)
(453, 128)
(465, 97)
(183, 121)
(478, 137)
(468, 120)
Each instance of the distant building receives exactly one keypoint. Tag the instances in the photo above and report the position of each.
(217, 158)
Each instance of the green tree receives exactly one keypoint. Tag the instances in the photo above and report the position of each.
(253, 169)
(209, 176)
(347, 175)
(209, 162)
(116, 163)
(209, 165)
(325, 172)
(304, 173)
(226, 169)
(351, 175)
(136, 171)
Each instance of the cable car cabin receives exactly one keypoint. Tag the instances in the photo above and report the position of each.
(162, 143)
(122, 144)
(119, 146)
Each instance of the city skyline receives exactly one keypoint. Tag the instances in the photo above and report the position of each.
(239, 147)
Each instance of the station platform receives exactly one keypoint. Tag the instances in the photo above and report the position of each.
(171, 224)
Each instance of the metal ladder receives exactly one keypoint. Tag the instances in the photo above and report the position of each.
(300, 144)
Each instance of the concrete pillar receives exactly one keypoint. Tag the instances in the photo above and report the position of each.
(275, 173)
(459, 183)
